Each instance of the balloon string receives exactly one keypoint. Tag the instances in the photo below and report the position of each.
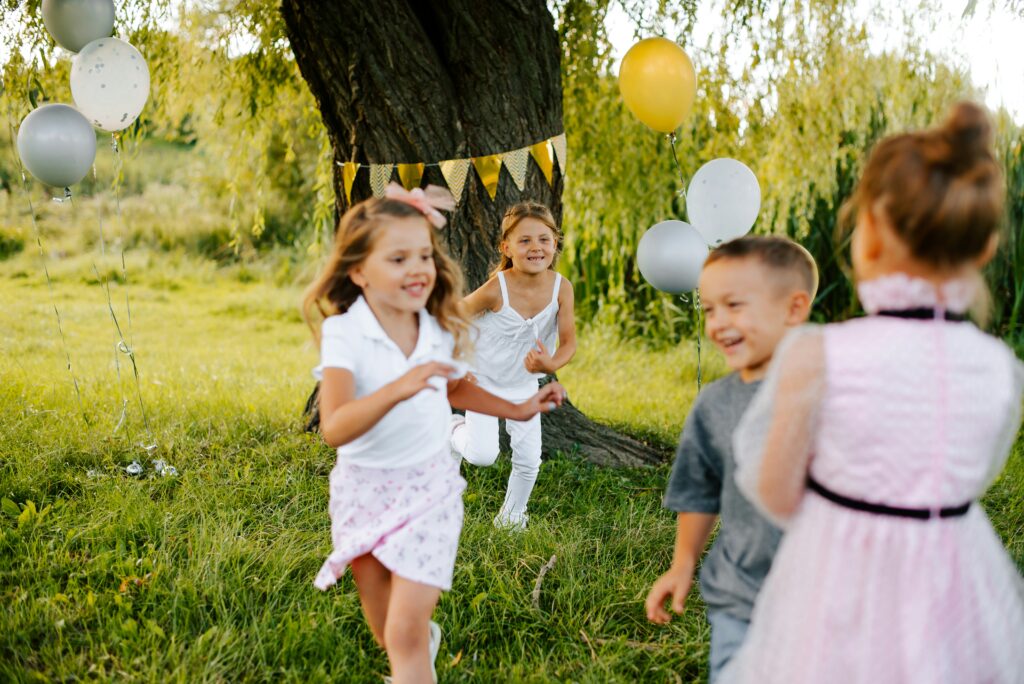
(46, 271)
(700, 332)
(679, 169)
(129, 346)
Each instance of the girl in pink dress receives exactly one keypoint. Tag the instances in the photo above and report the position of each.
(872, 440)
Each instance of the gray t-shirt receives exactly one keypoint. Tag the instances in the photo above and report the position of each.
(703, 481)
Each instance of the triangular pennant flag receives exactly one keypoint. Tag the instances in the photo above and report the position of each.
(489, 168)
(348, 176)
(411, 175)
(541, 153)
(561, 151)
(455, 172)
(380, 176)
(515, 162)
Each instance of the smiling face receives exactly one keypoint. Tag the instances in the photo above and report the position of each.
(399, 272)
(748, 308)
(531, 246)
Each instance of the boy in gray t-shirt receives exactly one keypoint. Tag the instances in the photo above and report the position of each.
(753, 290)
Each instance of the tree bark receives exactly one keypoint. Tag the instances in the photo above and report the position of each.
(408, 81)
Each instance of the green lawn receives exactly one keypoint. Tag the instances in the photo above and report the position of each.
(207, 576)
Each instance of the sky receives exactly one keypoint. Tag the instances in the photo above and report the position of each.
(989, 43)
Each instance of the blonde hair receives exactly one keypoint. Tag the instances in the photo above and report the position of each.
(333, 291)
(513, 217)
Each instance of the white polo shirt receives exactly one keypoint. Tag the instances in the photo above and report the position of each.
(415, 429)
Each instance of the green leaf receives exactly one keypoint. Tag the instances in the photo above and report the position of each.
(10, 508)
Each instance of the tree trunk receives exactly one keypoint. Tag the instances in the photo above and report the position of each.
(407, 81)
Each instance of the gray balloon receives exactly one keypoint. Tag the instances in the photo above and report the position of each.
(57, 144)
(671, 255)
(76, 23)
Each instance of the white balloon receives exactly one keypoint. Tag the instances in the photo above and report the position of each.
(723, 200)
(110, 83)
(671, 255)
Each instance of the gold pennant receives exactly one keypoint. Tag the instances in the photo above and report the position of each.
(489, 169)
(541, 153)
(411, 175)
(561, 151)
(516, 163)
(455, 172)
(380, 176)
(348, 176)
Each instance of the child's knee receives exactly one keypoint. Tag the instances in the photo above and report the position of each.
(406, 634)
(481, 455)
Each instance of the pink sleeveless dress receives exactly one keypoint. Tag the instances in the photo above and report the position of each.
(914, 414)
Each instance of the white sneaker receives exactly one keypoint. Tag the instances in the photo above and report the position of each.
(512, 523)
(456, 421)
(435, 646)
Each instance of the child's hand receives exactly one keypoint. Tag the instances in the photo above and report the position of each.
(546, 400)
(674, 584)
(419, 379)
(539, 360)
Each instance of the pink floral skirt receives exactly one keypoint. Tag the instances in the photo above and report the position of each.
(409, 518)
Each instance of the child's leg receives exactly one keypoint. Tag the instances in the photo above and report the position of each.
(373, 581)
(407, 630)
(526, 447)
(477, 439)
(727, 635)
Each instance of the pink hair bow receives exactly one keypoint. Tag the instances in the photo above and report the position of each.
(427, 202)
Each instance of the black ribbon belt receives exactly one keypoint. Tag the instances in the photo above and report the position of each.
(923, 313)
(882, 509)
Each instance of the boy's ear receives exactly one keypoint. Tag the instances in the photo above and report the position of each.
(799, 308)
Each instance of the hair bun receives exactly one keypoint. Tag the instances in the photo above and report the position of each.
(969, 134)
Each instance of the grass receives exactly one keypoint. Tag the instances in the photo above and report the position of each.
(206, 576)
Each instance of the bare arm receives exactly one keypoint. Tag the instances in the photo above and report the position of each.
(463, 394)
(487, 297)
(345, 418)
(692, 532)
(540, 360)
(787, 448)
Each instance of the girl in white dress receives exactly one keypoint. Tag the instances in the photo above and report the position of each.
(389, 339)
(524, 310)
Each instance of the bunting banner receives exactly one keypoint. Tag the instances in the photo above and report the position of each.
(456, 171)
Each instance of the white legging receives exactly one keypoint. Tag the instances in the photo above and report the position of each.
(477, 442)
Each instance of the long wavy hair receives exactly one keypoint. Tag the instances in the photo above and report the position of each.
(333, 291)
(513, 217)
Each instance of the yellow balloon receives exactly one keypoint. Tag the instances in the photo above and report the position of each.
(658, 83)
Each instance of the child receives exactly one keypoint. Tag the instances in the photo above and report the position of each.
(524, 304)
(388, 373)
(871, 440)
(752, 290)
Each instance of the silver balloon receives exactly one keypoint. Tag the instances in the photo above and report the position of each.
(57, 145)
(671, 255)
(110, 83)
(723, 200)
(76, 23)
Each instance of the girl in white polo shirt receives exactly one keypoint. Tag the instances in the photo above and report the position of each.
(524, 309)
(389, 340)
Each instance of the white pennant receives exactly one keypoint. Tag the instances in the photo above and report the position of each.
(561, 151)
(455, 172)
(380, 175)
(516, 164)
